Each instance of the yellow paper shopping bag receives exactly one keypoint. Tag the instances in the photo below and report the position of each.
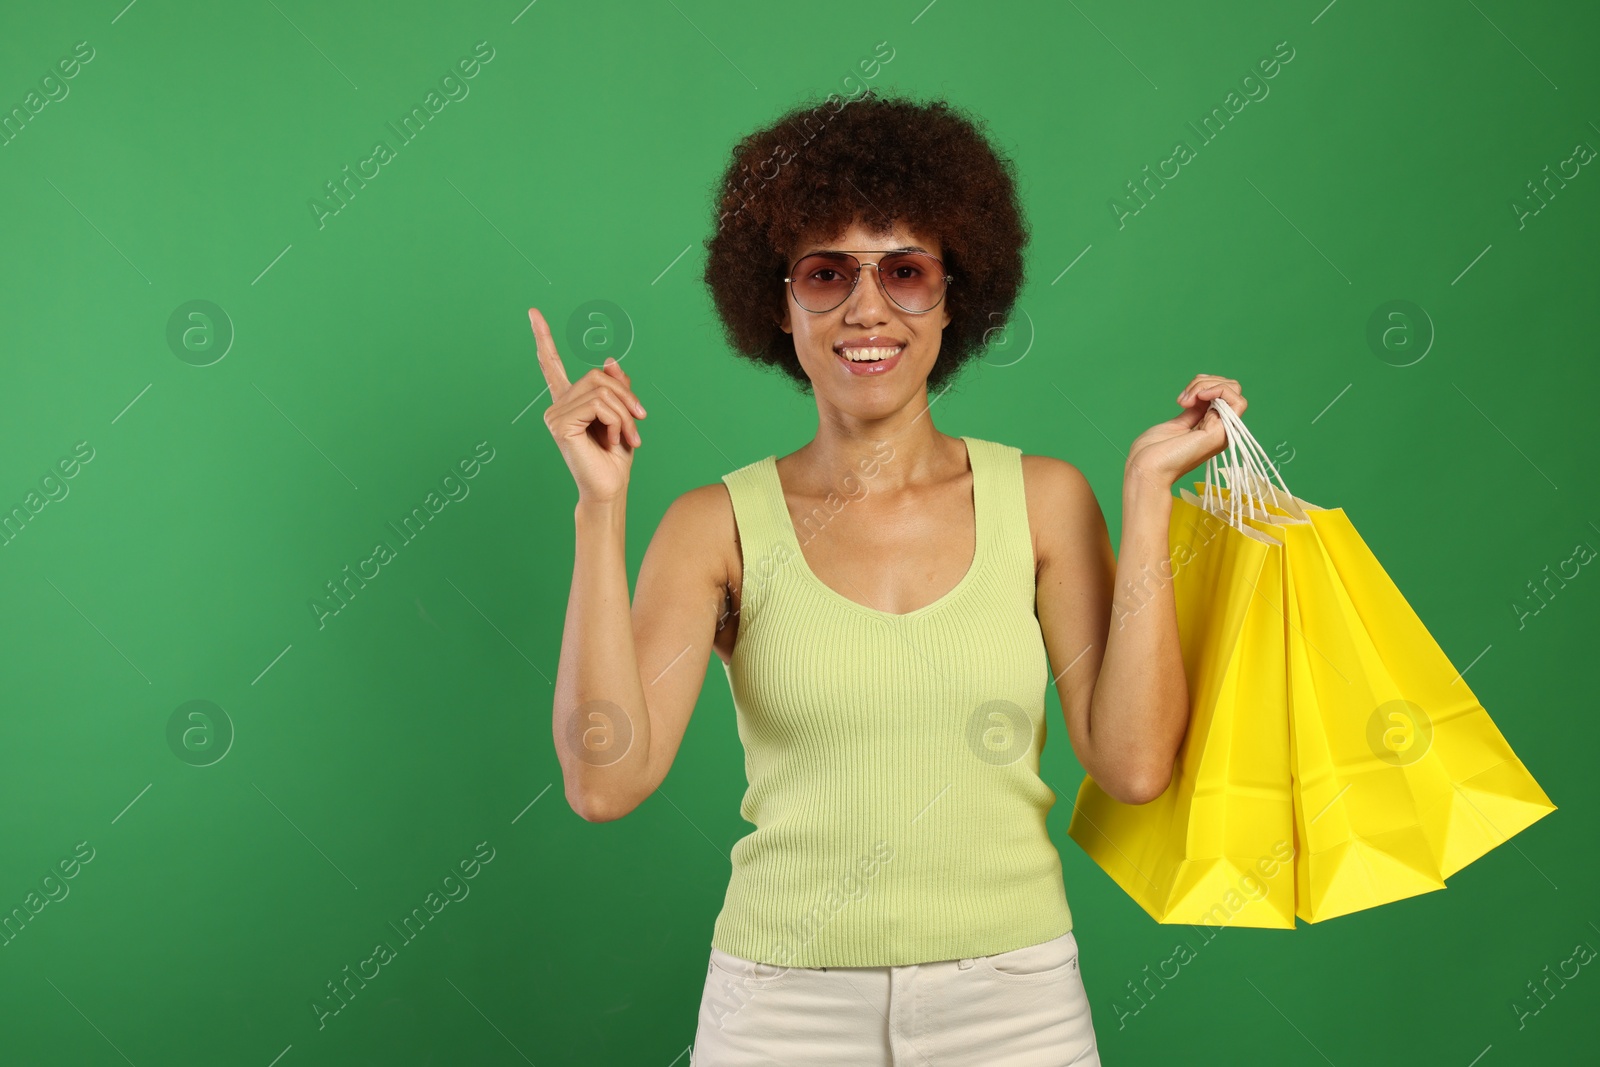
(1492, 795)
(1217, 846)
(1362, 805)
(1401, 778)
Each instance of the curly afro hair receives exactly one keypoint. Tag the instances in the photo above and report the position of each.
(926, 165)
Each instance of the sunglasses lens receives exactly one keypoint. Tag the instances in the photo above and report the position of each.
(913, 280)
(822, 282)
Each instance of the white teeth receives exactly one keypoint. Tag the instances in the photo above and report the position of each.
(858, 355)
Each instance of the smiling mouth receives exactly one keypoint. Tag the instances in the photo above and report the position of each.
(869, 360)
(862, 354)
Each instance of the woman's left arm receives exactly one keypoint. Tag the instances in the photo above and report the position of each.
(1111, 623)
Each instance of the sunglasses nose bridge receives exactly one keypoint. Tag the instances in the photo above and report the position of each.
(879, 291)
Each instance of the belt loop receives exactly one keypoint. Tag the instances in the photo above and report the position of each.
(964, 964)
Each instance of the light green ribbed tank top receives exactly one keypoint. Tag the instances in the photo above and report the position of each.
(892, 760)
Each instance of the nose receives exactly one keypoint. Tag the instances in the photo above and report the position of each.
(868, 301)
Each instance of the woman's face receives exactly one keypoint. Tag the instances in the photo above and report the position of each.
(867, 318)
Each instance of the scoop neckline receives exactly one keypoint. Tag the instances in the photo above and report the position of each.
(980, 496)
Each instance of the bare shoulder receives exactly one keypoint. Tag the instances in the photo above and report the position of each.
(696, 555)
(699, 525)
(1061, 505)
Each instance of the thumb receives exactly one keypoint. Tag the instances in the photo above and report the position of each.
(1210, 425)
(1190, 416)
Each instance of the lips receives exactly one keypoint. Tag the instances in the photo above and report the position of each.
(872, 356)
(869, 349)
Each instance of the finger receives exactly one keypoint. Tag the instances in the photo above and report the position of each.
(1199, 380)
(630, 428)
(1205, 401)
(1211, 430)
(613, 368)
(600, 379)
(1189, 417)
(1227, 390)
(1205, 392)
(624, 430)
(1205, 378)
(602, 409)
(585, 404)
(607, 412)
(1191, 422)
(555, 375)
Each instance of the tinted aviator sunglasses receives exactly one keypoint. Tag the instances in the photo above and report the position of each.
(915, 281)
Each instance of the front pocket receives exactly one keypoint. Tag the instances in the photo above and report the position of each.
(1048, 959)
(747, 972)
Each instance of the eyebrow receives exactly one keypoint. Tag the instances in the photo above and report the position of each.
(886, 251)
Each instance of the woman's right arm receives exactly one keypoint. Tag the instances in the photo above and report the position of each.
(629, 672)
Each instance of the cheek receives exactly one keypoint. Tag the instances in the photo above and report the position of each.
(815, 332)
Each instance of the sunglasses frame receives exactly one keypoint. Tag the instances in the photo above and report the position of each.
(856, 280)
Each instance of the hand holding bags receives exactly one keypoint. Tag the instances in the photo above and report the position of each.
(1397, 775)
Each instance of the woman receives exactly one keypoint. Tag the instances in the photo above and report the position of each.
(888, 603)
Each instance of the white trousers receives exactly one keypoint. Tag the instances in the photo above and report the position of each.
(1022, 1008)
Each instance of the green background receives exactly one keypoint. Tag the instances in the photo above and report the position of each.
(372, 754)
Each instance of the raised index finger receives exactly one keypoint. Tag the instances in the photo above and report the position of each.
(555, 375)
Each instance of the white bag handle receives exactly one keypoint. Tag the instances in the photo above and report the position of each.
(1238, 472)
(1230, 417)
(1244, 473)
